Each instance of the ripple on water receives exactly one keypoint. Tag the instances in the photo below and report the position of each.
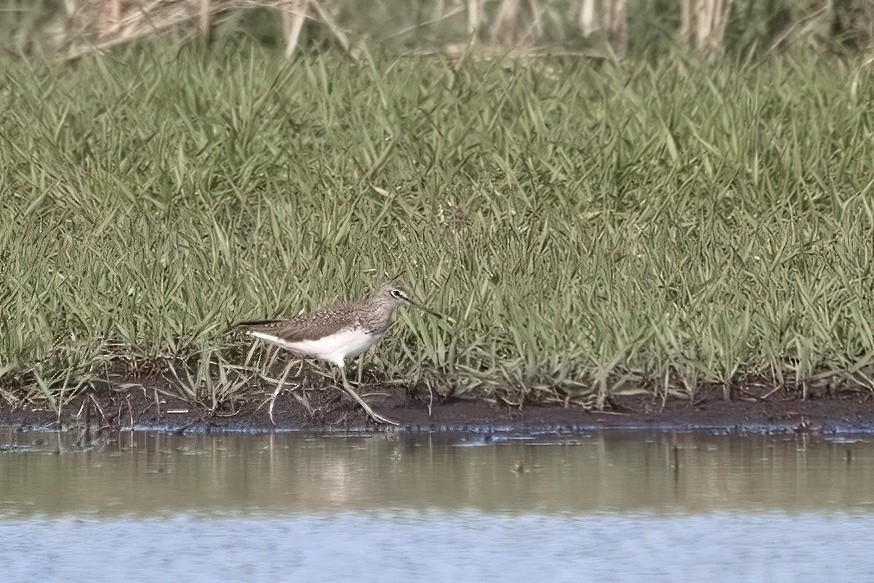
(434, 546)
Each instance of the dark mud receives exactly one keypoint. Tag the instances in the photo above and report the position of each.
(152, 407)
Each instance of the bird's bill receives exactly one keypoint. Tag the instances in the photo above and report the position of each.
(424, 308)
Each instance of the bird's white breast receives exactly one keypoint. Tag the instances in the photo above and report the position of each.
(334, 348)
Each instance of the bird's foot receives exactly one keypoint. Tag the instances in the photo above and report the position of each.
(367, 408)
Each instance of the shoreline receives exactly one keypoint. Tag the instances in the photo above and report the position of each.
(326, 412)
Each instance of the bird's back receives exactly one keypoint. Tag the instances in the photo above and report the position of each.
(308, 326)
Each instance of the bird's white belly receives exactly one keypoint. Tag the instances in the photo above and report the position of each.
(335, 348)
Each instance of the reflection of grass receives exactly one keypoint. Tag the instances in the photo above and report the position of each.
(591, 229)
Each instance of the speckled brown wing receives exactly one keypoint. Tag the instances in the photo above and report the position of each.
(309, 326)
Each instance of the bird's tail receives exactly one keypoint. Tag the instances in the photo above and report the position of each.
(253, 324)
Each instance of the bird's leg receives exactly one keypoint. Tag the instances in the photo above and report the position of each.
(278, 389)
(367, 409)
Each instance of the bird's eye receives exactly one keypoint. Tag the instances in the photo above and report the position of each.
(397, 294)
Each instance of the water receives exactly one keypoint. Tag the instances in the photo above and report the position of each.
(609, 507)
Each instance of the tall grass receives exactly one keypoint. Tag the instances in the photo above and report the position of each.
(592, 229)
(750, 28)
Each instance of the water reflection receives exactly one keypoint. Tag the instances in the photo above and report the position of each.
(159, 474)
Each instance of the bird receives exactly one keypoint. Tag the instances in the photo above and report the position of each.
(340, 331)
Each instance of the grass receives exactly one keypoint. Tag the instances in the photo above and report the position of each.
(594, 229)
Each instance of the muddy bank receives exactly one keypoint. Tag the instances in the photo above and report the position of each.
(152, 408)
